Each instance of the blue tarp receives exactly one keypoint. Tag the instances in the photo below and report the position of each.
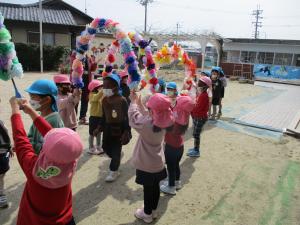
(276, 71)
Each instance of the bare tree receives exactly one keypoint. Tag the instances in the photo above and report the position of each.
(145, 4)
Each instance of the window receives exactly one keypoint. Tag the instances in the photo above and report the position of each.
(248, 57)
(34, 38)
(232, 56)
(284, 59)
(265, 57)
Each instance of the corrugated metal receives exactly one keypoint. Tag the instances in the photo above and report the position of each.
(31, 14)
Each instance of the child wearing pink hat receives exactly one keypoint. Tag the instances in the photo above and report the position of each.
(47, 196)
(148, 155)
(200, 114)
(174, 143)
(96, 116)
(67, 101)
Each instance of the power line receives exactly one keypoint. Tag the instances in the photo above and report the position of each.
(257, 23)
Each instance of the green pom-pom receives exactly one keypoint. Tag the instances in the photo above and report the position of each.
(4, 75)
(6, 48)
(4, 35)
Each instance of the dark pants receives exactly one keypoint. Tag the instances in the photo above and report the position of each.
(114, 152)
(84, 104)
(72, 222)
(150, 182)
(84, 97)
(151, 197)
(173, 157)
(198, 125)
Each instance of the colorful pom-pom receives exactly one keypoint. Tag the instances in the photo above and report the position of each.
(130, 60)
(111, 58)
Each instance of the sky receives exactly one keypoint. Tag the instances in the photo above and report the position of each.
(229, 18)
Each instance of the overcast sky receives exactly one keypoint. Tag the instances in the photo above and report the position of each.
(230, 18)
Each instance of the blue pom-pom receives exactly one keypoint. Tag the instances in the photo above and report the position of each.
(135, 76)
(83, 47)
(130, 60)
(133, 85)
(91, 31)
(143, 44)
(151, 66)
(102, 23)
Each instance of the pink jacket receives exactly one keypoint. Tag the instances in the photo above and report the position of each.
(148, 153)
(66, 108)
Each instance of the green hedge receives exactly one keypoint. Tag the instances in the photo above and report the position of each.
(29, 56)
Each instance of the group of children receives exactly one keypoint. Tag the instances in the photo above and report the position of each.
(49, 153)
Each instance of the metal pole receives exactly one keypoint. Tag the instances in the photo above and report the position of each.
(146, 5)
(41, 36)
(177, 31)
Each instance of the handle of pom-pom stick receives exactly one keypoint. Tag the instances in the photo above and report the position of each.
(17, 93)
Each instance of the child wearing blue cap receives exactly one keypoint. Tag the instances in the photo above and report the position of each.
(116, 130)
(43, 94)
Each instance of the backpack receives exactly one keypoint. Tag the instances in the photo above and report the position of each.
(5, 143)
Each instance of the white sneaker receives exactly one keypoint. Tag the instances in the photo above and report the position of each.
(91, 150)
(100, 150)
(140, 214)
(168, 190)
(178, 184)
(112, 176)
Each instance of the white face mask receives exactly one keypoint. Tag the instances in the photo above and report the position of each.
(108, 92)
(35, 104)
(171, 93)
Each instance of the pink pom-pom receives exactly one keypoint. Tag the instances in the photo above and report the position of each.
(152, 72)
(95, 23)
(108, 22)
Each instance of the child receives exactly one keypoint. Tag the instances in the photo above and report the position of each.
(43, 95)
(172, 92)
(47, 196)
(209, 91)
(224, 85)
(174, 143)
(66, 101)
(124, 87)
(5, 153)
(96, 116)
(216, 90)
(148, 156)
(162, 86)
(200, 114)
(115, 123)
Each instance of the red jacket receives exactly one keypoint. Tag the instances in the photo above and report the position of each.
(39, 205)
(201, 108)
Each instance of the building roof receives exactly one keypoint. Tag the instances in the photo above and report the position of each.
(263, 41)
(31, 14)
(54, 12)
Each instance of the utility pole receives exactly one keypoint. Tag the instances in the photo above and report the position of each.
(257, 23)
(85, 10)
(177, 31)
(145, 4)
(41, 36)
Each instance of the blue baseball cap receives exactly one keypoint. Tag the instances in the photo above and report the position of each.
(216, 68)
(172, 85)
(115, 77)
(44, 87)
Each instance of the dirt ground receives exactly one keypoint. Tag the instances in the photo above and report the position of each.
(240, 178)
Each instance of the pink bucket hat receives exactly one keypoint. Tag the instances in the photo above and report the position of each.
(206, 80)
(160, 107)
(57, 161)
(183, 109)
(61, 79)
(94, 84)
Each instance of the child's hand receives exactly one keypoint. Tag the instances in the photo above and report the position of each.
(25, 106)
(14, 105)
(77, 92)
(133, 97)
(11, 153)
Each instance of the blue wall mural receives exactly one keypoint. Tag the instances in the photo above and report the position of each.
(278, 72)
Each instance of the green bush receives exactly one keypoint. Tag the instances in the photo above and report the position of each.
(29, 56)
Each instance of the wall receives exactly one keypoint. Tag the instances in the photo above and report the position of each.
(63, 40)
(261, 47)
